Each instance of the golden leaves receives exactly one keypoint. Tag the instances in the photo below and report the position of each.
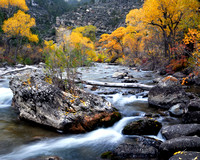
(119, 39)
(19, 25)
(16, 3)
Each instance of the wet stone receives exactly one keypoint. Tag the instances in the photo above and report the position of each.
(179, 130)
(145, 126)
(186, 155)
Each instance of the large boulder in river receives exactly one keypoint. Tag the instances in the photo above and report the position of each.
(145, 126)
(167, 93)
(37, 99)
(189, 143)
(178, 130)
(194, 105)
(135, 148)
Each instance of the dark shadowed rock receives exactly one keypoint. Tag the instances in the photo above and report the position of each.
(144, 126)
(130, 81)
(191, 117)
(194, 105)
(179, 130)
(179, 75)
(167, 93)
(189, 143)
(186, 155)
(197, 80)
(38, 100)
(135, 148)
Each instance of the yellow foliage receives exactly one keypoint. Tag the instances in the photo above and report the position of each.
(193, 37)
(82, 43)
(167, 17)
(92, 56)
(77, 39)
(19, 25)
(16, 3)
(179, 152)
(49, 45)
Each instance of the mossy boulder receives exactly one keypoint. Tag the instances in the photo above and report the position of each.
(145, 126)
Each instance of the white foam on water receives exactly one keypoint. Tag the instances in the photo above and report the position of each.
(100, 136)
(122, 100)
(6, 97)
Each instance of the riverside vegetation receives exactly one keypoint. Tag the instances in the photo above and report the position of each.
(161, 35)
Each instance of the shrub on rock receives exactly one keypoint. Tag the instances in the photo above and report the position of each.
(37, 99)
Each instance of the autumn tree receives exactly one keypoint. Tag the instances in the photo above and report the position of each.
(18, 27)
(113, 43)
(9, 7)
(81, 39)
(168, 16)
(192, 40)
(87, 31)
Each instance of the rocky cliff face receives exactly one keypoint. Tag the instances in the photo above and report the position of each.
(106, 15)
(45, 12)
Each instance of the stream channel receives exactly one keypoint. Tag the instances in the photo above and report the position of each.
(17, 137)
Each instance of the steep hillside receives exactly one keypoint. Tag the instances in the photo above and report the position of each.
(106, 15)
(45, 12)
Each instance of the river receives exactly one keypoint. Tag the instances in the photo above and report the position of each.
(18, 137)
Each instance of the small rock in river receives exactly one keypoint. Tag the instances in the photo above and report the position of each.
(145, 126)
(178, 109)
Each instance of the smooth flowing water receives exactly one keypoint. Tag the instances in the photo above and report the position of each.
(17, 137)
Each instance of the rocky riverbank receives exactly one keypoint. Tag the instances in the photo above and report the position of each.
(166, 129)
(182, 140)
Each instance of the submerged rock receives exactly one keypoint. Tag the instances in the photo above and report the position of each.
(167, 93)
(144, 126)
(179, 130)
(37, 99)
(189, 143)
(186, 155)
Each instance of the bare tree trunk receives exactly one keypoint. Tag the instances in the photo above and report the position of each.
(121, 85)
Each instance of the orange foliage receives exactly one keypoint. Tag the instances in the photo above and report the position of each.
(170, 78)
(177, 64)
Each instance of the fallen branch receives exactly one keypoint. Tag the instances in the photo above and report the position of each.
(122, 85)
(17, 70)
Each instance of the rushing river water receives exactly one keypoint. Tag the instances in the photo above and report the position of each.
(17, 137)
